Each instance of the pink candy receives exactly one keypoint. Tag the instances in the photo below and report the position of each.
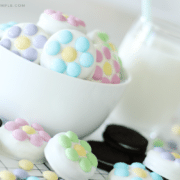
(20, 135)
(46, 137)
(107, 52)
(105, 80)
(98, 73)
(37, 127)
(115, 79)
(36, 140)
(116, 66)
(72, 20)
(11, 126)
(49, 11)
(21, 122)
(58, 17)
(99, 56)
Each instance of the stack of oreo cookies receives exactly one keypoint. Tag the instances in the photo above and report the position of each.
(121, 144)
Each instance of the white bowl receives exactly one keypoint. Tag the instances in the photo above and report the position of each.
(56, 101)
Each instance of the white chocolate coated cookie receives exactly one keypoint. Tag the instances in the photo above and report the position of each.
(52, 21)
(19, 141)
(165, 163)
(69, 52)
(70, 157)
(26, 40)
(136, 171)
(107, 67)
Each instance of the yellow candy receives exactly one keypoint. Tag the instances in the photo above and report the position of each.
(26, 165)
(6, 175)
(80, 150)
(49, 175)
(176, 155)
(176, 130)
(140, 172)
(28, 129)
(107, 69)
(69, 54)
(113, 47)
(65, 15)
(22, 43)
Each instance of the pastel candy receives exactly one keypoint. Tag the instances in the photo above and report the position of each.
(159, 149)
(44, 135)
(121, 166)
(26, 165)
(20, 173)
(121, 172)
(36, 140)
(167, 156)
(21, 122)
(7, 175)
(11, 126)
(37, 127)
(19, 135)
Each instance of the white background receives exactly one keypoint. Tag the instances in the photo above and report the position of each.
(112, 16)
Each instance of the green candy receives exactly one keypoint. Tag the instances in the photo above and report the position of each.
(85, 165)
(92, 158)
(64, 141)
(158, 143)
(107, 45)
(85, 145)
(72, 136)
(120, 62)
(103, 36)
(71, 154)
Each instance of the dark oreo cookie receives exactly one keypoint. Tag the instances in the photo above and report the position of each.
(125, 139)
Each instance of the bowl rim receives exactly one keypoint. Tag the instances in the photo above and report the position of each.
(19, 58)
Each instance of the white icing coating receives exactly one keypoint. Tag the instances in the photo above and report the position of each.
(112, 176)
(51, 25)
(30, 37)
(20, 149)
(168, 169)
(46, 60)
(65, 168)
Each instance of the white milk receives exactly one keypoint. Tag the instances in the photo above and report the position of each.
(154, 92)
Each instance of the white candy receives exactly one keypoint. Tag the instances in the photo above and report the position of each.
(26, 40)
(69, 158)
(70, 52)
(134, 172)
(164, 163)
(52, 21)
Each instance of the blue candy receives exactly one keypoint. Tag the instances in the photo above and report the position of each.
(138, 165)
(136, 178)
(32, 178)
(156, 176)
(82, 44)
(58, 65)
(86, 60)
(53, 48)
(65, 37)
(73, 69)
(121, 172)
(121, 165)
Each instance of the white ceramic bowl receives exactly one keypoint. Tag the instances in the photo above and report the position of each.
(56, 101)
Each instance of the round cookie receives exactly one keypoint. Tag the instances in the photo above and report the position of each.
(165, 163)
(125, 139)
(107, 67)
(70, 157)
(69, 52)
(53, 21)
(5, 27)
(26, 40)
(135, 171)
(19, 141)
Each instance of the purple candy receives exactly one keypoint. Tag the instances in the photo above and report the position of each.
(30, 54)
(30, 29)
(167, 156)
(14, 32)
(39, 41)
(16, 52)
(177, 161)
(159, 149)
(20, 173)
(6, 43)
